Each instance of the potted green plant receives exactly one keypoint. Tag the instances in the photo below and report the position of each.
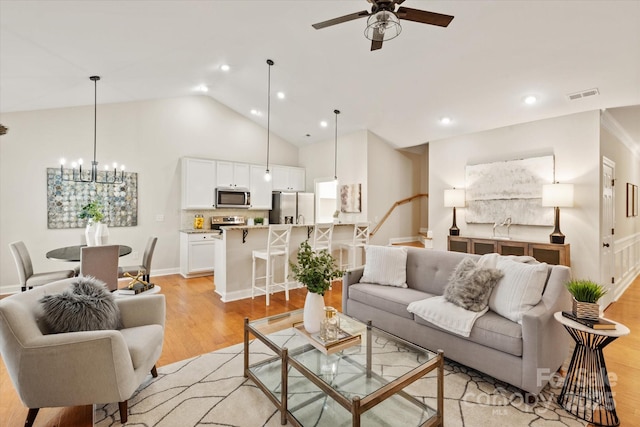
(258, 220)
(315, 270)
(96, 233)
(586, 294)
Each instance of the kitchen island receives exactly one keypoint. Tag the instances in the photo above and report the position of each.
(233, 262)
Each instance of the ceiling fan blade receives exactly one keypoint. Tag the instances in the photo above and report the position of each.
(424, 17)
(378, 38)
(340, 20)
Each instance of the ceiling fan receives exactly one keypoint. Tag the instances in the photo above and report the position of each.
(384, 20)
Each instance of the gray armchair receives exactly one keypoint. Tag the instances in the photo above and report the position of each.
(79, 368)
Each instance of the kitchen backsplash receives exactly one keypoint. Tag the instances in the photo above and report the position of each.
(186, 216)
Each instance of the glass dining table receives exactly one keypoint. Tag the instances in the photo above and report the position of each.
(72, 253)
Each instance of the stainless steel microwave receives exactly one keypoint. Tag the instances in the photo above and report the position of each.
(233, 198)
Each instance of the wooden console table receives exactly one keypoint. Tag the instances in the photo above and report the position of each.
(551, 253)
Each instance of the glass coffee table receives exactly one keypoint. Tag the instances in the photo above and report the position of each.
(361, 383)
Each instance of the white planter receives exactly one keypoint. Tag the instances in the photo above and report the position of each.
(313, 312)
(102, 234)
(90, 234)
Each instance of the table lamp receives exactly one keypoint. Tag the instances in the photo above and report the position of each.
(557, 196)
(454, 198)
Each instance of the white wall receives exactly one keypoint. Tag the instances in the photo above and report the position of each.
(573, 140)
(149, 137)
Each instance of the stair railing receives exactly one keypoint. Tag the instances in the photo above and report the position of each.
(395, 205)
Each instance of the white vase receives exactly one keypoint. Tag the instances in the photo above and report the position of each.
(102, 234)
(313, 312)
(90, 234)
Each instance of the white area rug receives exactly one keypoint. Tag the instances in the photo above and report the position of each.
(210, 390)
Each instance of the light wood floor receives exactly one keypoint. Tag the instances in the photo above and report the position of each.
(198, 322)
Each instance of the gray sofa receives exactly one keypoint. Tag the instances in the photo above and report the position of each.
(524, 355)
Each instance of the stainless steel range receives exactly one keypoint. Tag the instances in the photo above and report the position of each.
(219, 221)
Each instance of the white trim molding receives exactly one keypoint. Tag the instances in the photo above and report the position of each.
(613, 126)
(627, 259)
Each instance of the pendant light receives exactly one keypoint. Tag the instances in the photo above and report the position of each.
(267, 175)
(335, 149)
(92, 176)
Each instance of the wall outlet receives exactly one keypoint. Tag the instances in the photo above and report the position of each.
(159, 217)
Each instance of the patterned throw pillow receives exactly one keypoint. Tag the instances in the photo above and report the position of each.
(86, 306)
(470, 286)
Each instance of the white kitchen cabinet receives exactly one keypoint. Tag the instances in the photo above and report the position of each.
(260, 189)
(232, 175)
(197, 254)
(288, 178)
(198, 183)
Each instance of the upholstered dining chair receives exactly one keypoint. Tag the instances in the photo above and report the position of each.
(79, 368)
(29, 279)
(145, 267)
(100, 262)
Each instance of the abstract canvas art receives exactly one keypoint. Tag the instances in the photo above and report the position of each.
(350, 198)
(509, 189)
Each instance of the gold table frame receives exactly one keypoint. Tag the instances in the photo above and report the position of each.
(357, 405)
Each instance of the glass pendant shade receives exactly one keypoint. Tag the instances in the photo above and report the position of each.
(382, 26)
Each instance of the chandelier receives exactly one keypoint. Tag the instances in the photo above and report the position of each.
(110, 175)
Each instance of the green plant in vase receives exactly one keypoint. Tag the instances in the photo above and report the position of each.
(92, 212)
(258, 220)
(586, 294)
(315, 270)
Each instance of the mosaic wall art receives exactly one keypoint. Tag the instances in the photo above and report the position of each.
(65, 200)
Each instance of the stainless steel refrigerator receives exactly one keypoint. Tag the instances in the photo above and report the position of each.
(294, 208)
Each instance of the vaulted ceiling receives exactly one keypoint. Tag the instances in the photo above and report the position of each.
(477, 71)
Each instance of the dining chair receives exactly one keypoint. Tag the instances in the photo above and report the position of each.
(277, 247)
(359, 240)
(145, 267)
(29, 279)
(101, 262)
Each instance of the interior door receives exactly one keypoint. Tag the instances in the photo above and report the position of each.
(607, 255)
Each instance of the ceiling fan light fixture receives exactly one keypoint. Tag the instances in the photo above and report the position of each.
(382, 26)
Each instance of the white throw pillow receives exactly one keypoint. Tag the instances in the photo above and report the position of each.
(519, 289)
(386, 265)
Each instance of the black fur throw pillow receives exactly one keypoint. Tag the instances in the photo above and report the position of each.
(86, 306)
(470, 285)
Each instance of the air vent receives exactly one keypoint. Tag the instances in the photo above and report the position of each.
(583, 94)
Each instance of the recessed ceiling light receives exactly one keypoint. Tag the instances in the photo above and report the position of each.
(324, 124)
(445, 120)
(202, 88)
(280, 95)
(225, 67)
(530, 99)
(256, 112)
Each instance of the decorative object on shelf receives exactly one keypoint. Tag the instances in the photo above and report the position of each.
(267, 174)
(315, 270)
(76, 174)
(454, 198)
(258, 220)
(557, 196)
(92, 212)
(198, 222)
(586, 294)
(330, 327)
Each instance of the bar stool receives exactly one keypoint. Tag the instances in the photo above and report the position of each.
(322, 236)
(359, 240)
(277, 246)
